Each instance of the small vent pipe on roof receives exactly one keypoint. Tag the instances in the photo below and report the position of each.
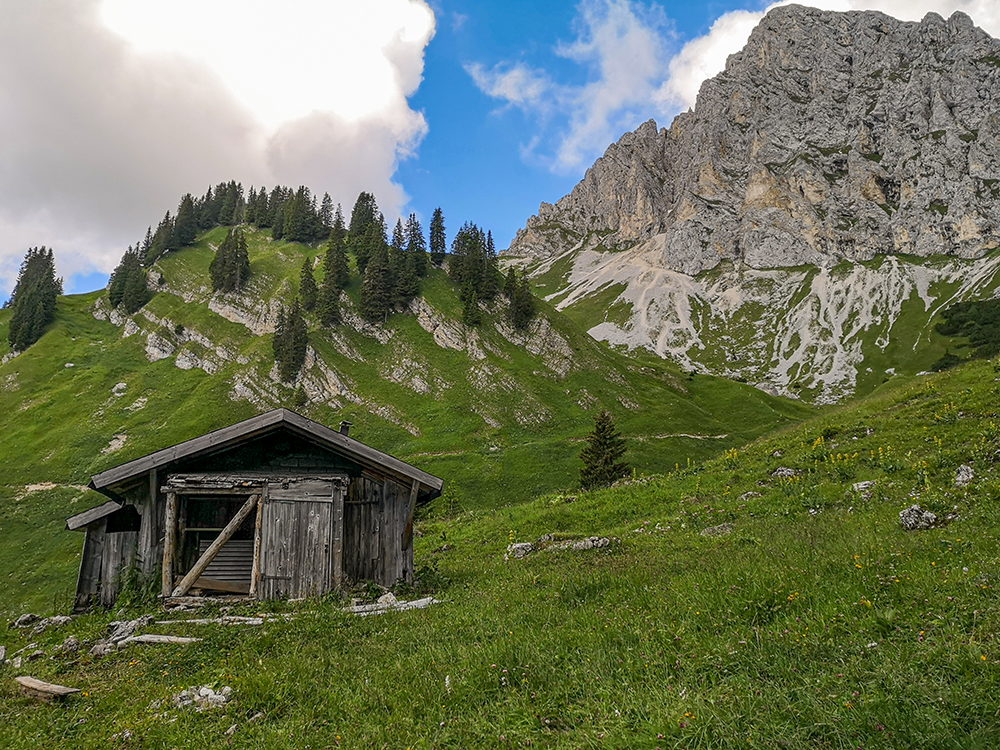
(345, 428)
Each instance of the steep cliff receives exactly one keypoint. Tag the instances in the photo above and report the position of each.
(830, 139)
(829, 136)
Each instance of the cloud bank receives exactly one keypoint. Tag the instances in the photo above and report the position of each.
(111, 110)
(635, 72)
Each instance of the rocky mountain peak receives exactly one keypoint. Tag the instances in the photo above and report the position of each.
(830, 136)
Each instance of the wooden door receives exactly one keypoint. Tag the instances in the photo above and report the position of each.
(298, 538)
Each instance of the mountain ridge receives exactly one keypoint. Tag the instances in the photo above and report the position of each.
(830, 139)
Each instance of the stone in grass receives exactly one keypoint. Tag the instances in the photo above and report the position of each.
(519, 550)
(964, 475)
(784, 472)
(51, 622)
(916, 518)
(721, 530)
(24, 621)
(592, 542)
(388, 599)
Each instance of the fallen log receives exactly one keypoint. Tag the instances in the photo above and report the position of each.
(44, 691)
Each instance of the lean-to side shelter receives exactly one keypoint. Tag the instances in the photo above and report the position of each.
(274, 506)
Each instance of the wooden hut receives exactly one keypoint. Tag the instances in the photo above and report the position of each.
(274, 506)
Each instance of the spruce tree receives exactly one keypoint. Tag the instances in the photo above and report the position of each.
(439, 245)
(162, 242)
(230, 268)
(416, 245)
(336, 274)
(368, 242)
(186, 224)
(291, 339)
(127, 287)
(33, 302)
(326, 214)
(602, 464)
(307, 285)
(522, 304)
(471, 314)
(377, 287)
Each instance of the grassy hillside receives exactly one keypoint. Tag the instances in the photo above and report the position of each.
(498, 415)
(817, 622)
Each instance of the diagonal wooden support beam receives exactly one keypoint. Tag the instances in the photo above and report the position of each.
(199, 567)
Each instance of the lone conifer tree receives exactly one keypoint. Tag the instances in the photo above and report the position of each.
(602, 462)
(307, 285)
(438, 244)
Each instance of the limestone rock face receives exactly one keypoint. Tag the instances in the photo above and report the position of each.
(830, 136)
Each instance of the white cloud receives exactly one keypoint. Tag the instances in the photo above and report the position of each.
(111, 110)
(624, 45)
(517, 84)
(705, 56)
(632, 77)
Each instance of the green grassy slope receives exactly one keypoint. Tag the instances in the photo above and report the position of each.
(817, 622)
(86, 397)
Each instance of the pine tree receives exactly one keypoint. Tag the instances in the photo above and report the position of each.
(377, 287)
(186, 224)
(510, 284)
(439, 245)
(416, 245)
(326, 214)
(472, 315)
(522, 304)
(370, 241)
(307, 285)
(127, 287)
(162, 242)
(291, 340)
(230, 268)
(602, 464)
(33, 302)
(336, 274)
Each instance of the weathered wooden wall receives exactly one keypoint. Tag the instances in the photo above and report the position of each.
(375, 519)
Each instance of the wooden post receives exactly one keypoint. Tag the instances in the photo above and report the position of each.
(339, 490)
(255, 571)
(169, 543)
(203, 562)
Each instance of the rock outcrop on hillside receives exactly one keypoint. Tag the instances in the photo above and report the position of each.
(830, 136)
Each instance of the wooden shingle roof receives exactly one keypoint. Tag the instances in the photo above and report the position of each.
(277, 419)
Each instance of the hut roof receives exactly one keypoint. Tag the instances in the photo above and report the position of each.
(278, 419)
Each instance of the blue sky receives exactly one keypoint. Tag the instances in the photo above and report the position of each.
(484, 108)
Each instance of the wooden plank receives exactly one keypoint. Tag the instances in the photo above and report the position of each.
(337, 552)
(119, 553)
(255, 570)
(94, 514)
(199, 567)
(155, 638)
(45, 691)
(411, 509)
(88, 581)
(169, 543)
(214, 584)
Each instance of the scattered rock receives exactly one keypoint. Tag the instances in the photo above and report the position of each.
(115, 444)
(519, 550)
(388, 599)
(863, 486)
(51, 622)
(71, 645)
(119, 389)
(915, 518)
(784, 472)
(721, 530)
(69, 364)
(964, 475)
(777, 454)
(36, 655)
(591, 542)
(24, 621)
(16, 662)
(231, 731)
(119, 633)
(256, 717)
(748, 495)
(3, 653)
(203, 698)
